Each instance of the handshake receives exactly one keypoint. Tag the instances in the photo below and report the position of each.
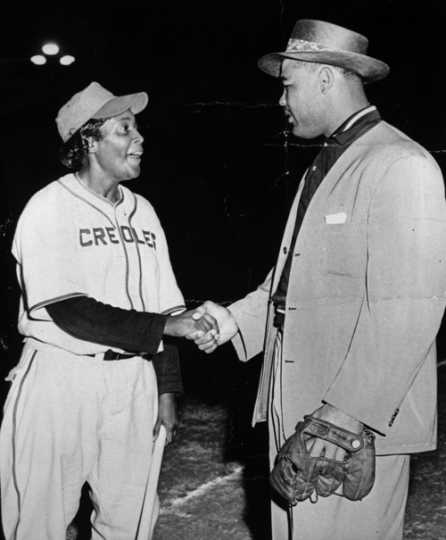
(209, 326)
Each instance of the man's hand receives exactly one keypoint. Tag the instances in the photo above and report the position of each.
(226, 323)
(319, 447)
(193, 324)
(167, 416)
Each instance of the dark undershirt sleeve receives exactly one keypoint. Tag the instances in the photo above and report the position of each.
(168, 370)
(90, 320)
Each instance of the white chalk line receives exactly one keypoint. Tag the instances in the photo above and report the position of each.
(175, 504)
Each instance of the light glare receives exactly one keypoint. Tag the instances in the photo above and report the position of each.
(50, 49)
(38, 59)
(67, 60)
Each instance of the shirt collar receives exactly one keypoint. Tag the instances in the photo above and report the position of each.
(353, 124)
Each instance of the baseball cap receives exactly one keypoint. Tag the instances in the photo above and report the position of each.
(95, 101)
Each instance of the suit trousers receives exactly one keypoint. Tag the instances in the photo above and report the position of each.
(379, 516)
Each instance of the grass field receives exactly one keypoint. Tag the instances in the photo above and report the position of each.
(206, 496)
(214, 478)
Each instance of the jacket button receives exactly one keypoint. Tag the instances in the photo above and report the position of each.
(285, 250)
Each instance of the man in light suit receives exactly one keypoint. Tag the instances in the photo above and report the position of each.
(347, 318)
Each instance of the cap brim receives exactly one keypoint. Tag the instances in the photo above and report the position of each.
(119, 104)
(368, 68)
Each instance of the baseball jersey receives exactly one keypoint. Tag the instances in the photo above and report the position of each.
(70, 242)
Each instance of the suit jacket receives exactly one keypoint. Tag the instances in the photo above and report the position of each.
(366, 295)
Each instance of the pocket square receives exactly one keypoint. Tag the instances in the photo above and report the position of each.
(336, 219)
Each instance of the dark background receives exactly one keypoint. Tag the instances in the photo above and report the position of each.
(216, 166)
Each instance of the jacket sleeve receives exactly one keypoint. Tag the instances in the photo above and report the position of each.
(405, 293)
(251, 314)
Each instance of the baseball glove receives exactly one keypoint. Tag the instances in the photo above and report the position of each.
(298, 476)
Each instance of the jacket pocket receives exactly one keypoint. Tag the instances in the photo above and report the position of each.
(345, 250)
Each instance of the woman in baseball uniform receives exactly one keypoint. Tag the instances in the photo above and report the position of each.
(98, 294)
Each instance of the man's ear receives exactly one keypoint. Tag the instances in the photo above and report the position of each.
(326, 79)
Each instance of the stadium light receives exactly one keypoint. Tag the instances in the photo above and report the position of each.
(38, 59)
(50, 48)
(66, 60)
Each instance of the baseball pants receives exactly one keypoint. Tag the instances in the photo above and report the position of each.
(69, 420)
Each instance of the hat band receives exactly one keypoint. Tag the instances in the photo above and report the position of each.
(299, 45)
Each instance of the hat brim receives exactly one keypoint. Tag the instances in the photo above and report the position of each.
(119, 104)
(368, 68)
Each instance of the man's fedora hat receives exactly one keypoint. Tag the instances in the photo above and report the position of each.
(326, 43)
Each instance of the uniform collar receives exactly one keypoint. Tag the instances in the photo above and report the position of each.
(93, 199)
(93, 194)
